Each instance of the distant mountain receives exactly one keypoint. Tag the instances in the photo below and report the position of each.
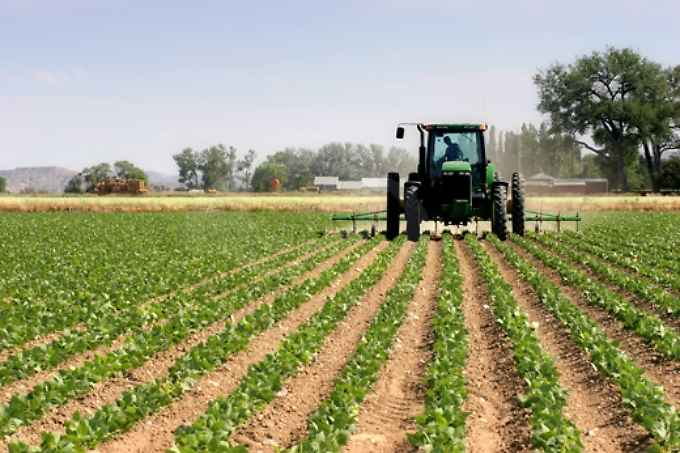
(162, 179)
(37, 179)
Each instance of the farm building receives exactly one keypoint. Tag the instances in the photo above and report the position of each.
(326, 183)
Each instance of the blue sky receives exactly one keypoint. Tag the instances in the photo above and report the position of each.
(82, 81)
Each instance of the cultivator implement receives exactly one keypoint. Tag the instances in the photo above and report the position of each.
(538, 217)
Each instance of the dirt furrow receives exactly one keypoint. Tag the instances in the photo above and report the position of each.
(657, 369)
(156, 433)
(593, 403)
(107, 391)
(389, 411)
(496, 421)
(284, 420)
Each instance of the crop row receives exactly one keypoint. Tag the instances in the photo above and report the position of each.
(93, 272)
(655, 295)
(145, 399)
(656, 269)
(441, 428)
(330, 425)
(265, 378)
(103, 331)
(645, 400)
(545, 398)
(71, 383)
(648, 326)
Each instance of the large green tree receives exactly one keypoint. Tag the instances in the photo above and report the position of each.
(215, 169)
(3, 184)
(607, 101)
(265, 173)
(127, 170)
(188, 162)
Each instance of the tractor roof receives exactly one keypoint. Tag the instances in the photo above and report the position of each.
(456, 126)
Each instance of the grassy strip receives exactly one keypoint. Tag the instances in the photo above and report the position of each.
(330, 425)
(622, 256)
(69, 384)
(145, 399)
(648, 327)
(441, 428)
(212, 430)
(645, 400)
(652, 294)
(545, 398)
(103, 331)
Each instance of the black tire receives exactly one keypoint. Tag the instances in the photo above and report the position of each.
(499, 216)
(412, 205)
(517, 204)
(392, 230)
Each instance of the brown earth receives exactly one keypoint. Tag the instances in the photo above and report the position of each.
(496, 421)
(657, 369)
(593, 404)
(284, 420)
(156, 433)
(388, 413)
(110, 390)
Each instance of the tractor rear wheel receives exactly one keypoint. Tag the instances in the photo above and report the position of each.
(412, 205)
(499, 216)
(392, 206)
(517, 204)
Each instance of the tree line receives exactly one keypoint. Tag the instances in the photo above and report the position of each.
(218, 167)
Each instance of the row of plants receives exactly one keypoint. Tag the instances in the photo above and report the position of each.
(655, 295)
(645, 400)
(145, 399)
(135, 320)
(259, 387)
(100, 265)
(655, 269)
(545, 398)
(441, 427)
(646, 259)
(331, 424)
(648, 326)
(138, 349)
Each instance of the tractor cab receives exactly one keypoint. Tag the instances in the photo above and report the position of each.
(454, 183)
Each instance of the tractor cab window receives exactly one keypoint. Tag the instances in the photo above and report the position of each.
(451, 146)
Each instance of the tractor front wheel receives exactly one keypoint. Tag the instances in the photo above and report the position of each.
(499, 217)
(517, 204)
(392, 230)
(412, 207)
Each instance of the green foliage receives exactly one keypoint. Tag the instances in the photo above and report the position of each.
(545, 398)
(645, 400)
(617, 98)
(265, 173)
(441, 428)
(670, 174)
(3, 184)
(188, 162)
(127, 170)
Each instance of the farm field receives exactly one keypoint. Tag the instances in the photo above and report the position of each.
(303, 202)
(250, 331)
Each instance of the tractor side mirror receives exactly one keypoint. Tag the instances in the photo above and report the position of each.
(400, 132)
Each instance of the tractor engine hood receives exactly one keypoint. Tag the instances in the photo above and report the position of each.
(456, 166)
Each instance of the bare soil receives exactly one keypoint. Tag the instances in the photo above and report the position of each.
(657, 369)
(593, 404)
(387, 415)
(284, 421)
(156, 433)
(108, 391)
(497, 422)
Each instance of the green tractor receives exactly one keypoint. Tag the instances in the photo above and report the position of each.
(454, 184)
